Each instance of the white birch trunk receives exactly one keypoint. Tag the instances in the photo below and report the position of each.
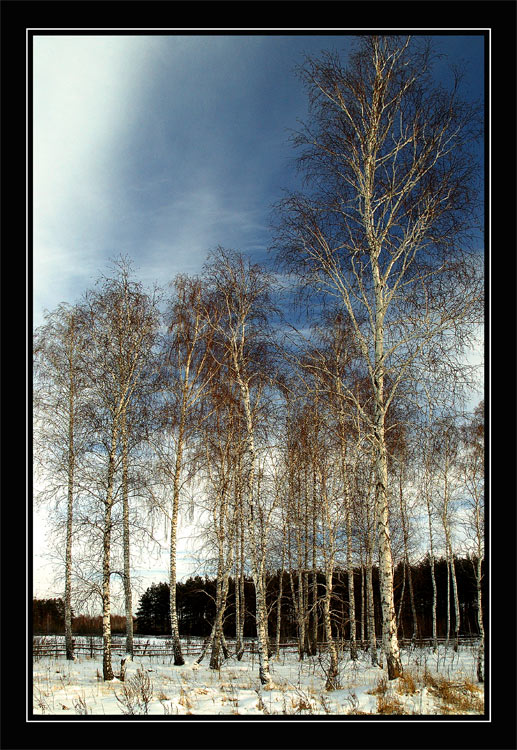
(389, 624)
(128, 600)
(72, 365)
(363, 603)
(333, 668)
(371, 613)
(69, 645)
(176, 642)
(432, 564)
(456, 604)
(257, 556)
(351, 587)
(481, 647)
(239, 589)
(107, 668)
(279, 605)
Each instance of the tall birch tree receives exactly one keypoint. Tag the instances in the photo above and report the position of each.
(241, 292)
(189, 370)
(447, 483)
(387, 154)
(121, 321)
(59, 425)
(473, 466)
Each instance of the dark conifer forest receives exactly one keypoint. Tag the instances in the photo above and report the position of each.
(196, 607)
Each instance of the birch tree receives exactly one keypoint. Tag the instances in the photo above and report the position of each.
(333, 506)
(473, 466)
(189, 371)
(445, 469)
(331, 366)
(221, 439)
(384, 233)
(241, 292)
(300, 475)
(59, 425)
(121, 321)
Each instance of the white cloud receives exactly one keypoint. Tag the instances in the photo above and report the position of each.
(159, 147)
(81, 91)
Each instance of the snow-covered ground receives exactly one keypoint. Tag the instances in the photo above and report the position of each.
(440, 683)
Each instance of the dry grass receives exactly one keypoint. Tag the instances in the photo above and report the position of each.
(380, 688)
(406, 684)
(457, 697)
(184, 700)
(389, 704)
(300, 704)
(451, 696)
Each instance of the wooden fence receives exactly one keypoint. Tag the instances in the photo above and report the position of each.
(50, 646)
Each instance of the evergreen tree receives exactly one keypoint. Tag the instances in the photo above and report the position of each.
(153, 612)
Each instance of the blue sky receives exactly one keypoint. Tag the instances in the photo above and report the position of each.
(163, 147)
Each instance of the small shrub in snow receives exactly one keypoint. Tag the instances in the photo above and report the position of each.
(137, 693)
(80, 706)
(406, 684)
(389, 704)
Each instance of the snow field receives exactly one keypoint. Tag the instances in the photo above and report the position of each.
(440, 683)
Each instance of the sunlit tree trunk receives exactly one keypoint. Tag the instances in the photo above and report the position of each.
(279, 601)
(329, 552)
(333, 667)
(473, 468)
(107, 669)
(69, 644)
(407, 567)
(176, 642)
(427, 489)
(128, 600)
(314, 607)
(363, 601)
(456, 602)
(389, 624)
(219, 643)
(350, 577)
(370, 608)
(239, 567)
(256, 549)
(479, 610)
(448, 545)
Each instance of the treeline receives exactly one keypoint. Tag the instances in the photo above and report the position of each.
(196, 597)
(196, 606)
(48, 618)
(335, 442)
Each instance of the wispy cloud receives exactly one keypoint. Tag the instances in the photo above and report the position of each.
(81, 87)
(156, 147)
(159, 147)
